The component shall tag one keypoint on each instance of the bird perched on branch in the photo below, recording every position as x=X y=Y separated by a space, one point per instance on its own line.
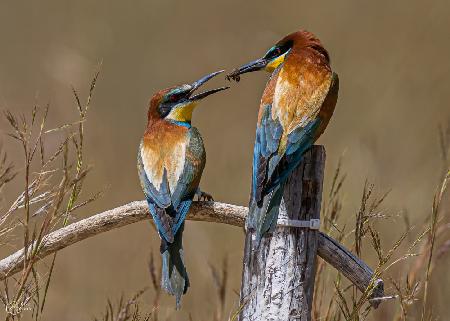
x=296 y=106
x=171 y=159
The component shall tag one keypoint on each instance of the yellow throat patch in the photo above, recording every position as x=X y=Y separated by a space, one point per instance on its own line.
x=182 y=113
x=271 y=66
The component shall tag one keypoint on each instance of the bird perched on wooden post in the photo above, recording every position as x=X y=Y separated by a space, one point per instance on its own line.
x=171 y=159
x=296 y=106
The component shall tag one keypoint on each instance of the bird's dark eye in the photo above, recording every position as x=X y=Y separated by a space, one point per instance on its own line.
x=273 y=52
x=175 y=97
x=278 y=50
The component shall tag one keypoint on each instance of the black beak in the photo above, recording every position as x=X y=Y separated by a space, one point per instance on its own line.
x=197 y=84
x=250 y=67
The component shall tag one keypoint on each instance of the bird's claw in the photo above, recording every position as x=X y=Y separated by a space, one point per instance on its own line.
x=205 y=197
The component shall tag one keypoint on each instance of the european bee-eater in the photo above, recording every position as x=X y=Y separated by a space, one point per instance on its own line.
x=171 y=159
x=296 y=106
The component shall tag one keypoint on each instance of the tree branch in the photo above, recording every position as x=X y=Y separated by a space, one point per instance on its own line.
x=124 y=215
x=330 y=250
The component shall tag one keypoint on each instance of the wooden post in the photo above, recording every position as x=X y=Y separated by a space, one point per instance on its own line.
x=278 y=277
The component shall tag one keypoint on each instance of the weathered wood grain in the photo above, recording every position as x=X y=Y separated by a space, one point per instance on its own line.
x=278 y=276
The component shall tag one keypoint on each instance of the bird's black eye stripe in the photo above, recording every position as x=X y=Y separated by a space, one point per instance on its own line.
x=278 y=50
x=164 y=109
x=177 y=96
x=273 y=52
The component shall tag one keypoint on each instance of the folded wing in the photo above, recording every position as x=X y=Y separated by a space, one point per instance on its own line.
x=168 y=202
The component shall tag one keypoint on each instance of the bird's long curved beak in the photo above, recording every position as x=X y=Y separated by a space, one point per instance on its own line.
x=255 y=65
x=197 y=84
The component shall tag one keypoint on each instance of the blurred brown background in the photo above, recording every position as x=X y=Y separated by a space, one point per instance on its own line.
x=393 y=63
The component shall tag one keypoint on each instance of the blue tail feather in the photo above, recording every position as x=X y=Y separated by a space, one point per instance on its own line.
x=263 y=218
x=182 y=211
x=175 y=279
